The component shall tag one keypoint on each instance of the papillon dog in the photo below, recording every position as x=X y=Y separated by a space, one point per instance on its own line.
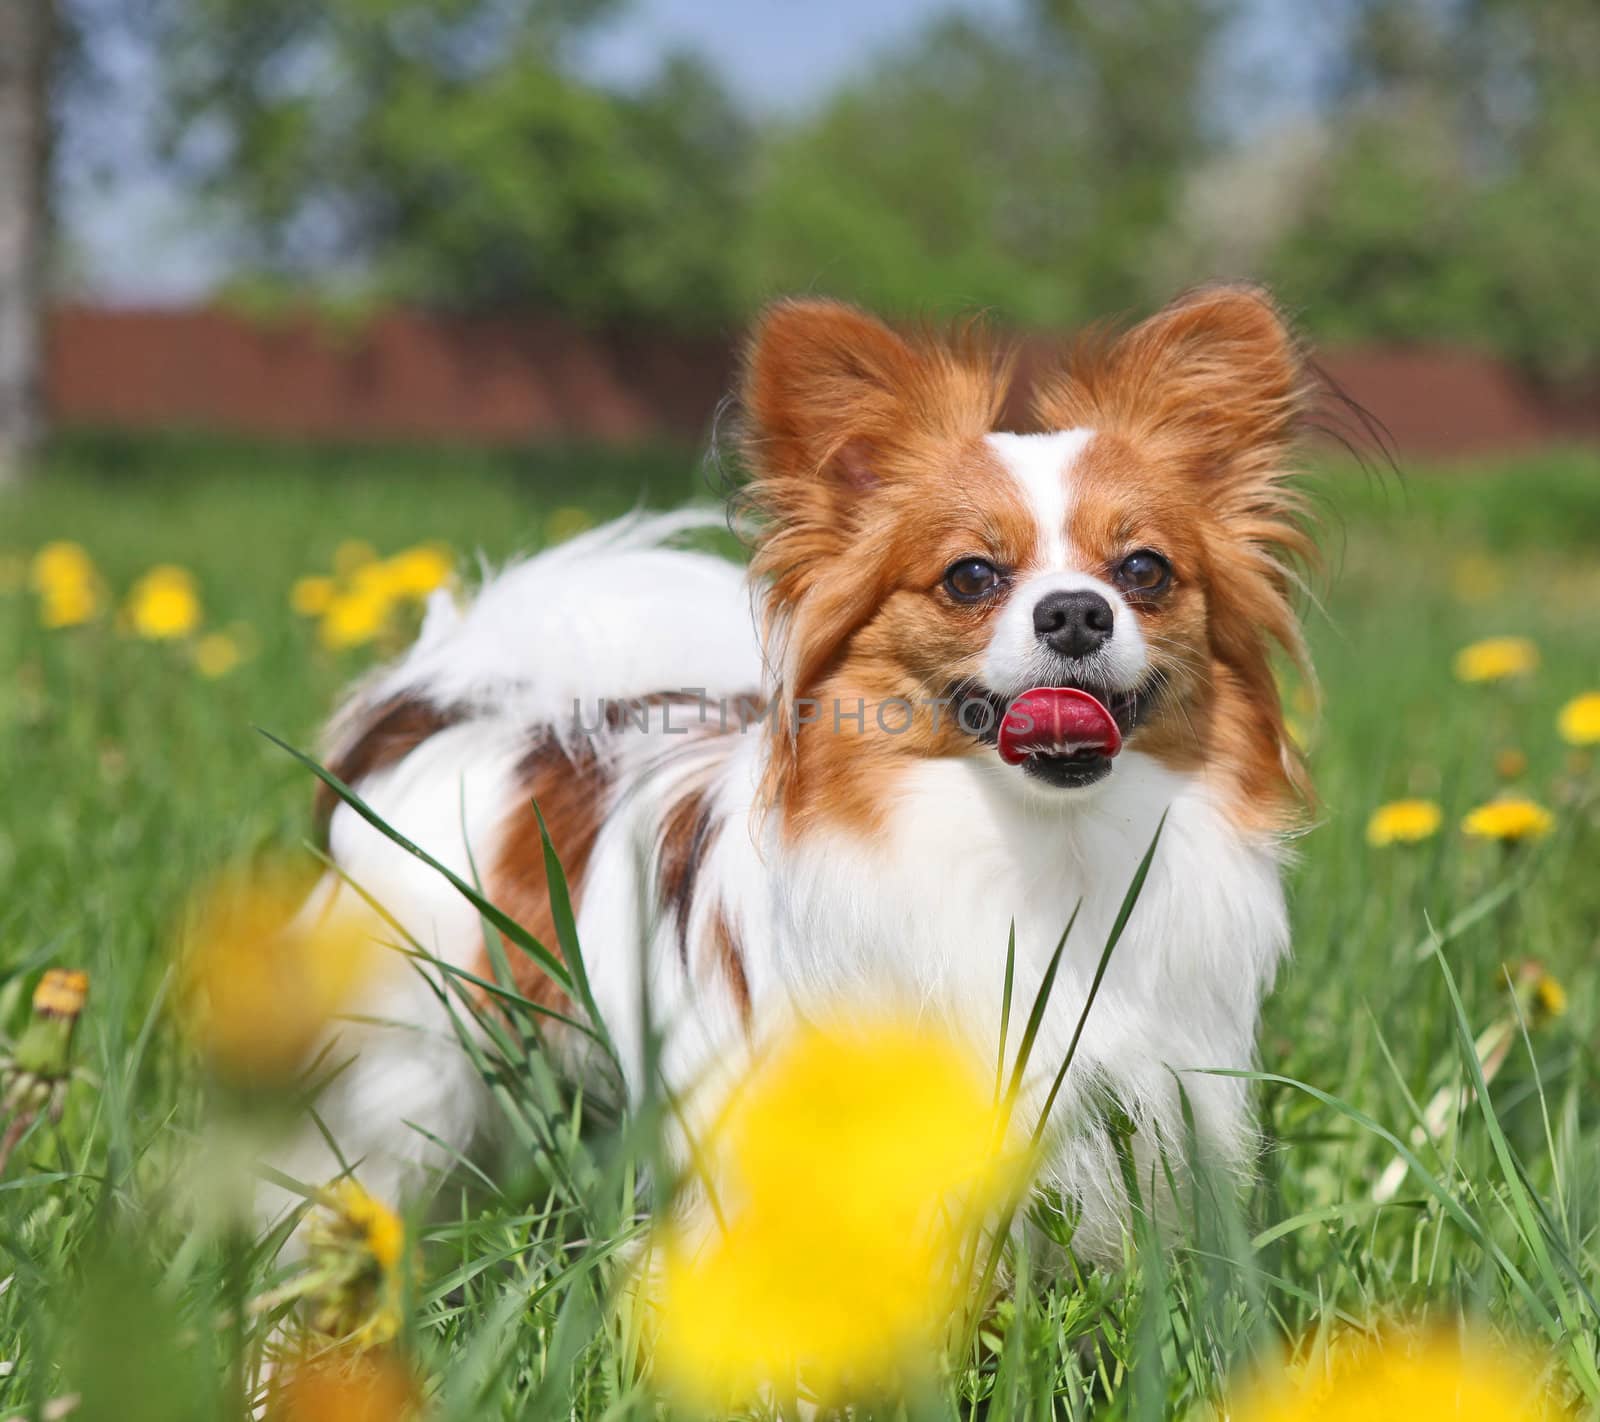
x=964 y=678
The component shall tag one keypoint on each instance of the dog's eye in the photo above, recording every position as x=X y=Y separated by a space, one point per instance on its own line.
x=1145 y=571
x=971 y=580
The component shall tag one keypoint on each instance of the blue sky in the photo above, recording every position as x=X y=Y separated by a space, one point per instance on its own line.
x=134 y=239
x=773 y=54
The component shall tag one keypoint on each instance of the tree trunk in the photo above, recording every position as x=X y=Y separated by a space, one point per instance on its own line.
x=24 y=45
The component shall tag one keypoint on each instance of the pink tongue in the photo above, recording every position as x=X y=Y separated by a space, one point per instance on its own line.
x=1058 y=720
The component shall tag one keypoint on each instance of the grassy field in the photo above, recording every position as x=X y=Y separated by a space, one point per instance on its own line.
x=127 y=778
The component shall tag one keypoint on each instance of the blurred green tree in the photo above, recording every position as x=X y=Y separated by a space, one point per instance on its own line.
x=1067 y=164
x=1460 y=200
x=1028 y=170
x=26 y=42
x=444 y=152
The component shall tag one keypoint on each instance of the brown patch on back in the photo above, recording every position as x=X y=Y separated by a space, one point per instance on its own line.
x=729 y=960
x=687 y=834
x=387 y=734
x=570 y=789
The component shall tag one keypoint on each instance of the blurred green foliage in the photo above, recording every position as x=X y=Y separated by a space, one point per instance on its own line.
x=445 y=152
x=1085 y=158
x=1460 y=195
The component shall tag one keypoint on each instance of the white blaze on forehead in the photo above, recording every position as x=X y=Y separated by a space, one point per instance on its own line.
x=1042 y=464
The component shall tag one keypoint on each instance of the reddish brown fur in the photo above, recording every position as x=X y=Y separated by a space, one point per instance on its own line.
x=386 y=735
x=868 y=447
x=570 y=789
x=687 y=834
x=873 y=477
x=1196 y=411
x=729 y=961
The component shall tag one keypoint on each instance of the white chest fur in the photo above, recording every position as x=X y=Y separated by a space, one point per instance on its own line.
x=924 y=912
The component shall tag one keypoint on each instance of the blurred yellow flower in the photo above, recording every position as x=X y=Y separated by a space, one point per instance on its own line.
x=69 y=588
x=1496 y=659
x=851 y=1171
x=1403 y=822
x=352 y=1283
x=1428 y=1378
x=310 y=596
x=1509 y=820
x=1551 y=996
x=164 y=603
x=69 y=604
x=60 y=562
x=353 y=618
x=566 y=522
x=1579 y=722
x=363 y=1388
x=260 y=977
x=376 y=1226
x=216 y=654
x=416 y=572
x=376 y=580
x=351 y=554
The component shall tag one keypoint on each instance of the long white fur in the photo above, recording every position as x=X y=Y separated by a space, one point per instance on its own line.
x=921 y=911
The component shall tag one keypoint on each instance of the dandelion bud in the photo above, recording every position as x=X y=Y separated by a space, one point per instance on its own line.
x=34 y=1078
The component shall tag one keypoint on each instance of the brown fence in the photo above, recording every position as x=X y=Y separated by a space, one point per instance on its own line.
x=404 y=376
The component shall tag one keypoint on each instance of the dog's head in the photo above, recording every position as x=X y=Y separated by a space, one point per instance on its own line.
x=936 y=588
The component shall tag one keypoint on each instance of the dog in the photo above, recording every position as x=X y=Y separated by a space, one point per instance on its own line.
x=966 y=677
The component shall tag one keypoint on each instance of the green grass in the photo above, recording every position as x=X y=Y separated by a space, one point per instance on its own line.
x=125 y=780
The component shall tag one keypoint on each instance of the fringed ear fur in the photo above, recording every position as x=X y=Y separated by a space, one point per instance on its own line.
x=840 y=411
x=1215 y=387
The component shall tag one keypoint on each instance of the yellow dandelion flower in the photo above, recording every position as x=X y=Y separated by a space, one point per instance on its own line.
x=758 y=1298
x=1425 y=1377
x=352 y=619
x=351 y=554
x=567 y=522
x=1579 y=721
x=260 y=981
x=416 y=572
x=216 y=654
x=1551 y=996
x=352 y=1282
x=1403 y=822
x=1496 y=659
x=69 y=604
x=70 y=591
x=61 y=992
x=374 y=1223
x=363 y=1388
x=311 y=596
x=1509 y=820
x=59 y=563
x=164 y=603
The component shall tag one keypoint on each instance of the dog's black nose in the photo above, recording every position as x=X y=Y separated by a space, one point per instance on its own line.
x=1073 y=623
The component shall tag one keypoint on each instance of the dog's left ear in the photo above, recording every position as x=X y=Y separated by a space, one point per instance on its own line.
x=1215 y=381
